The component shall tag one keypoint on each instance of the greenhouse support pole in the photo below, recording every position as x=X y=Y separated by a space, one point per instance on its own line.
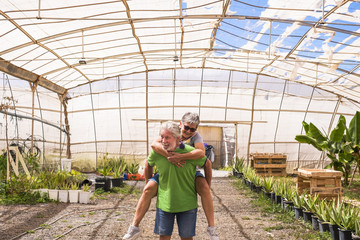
x=33 y=87
x=120 y=119
x=94 y=123
x=252 y=118
x=201 y=87
x=147 y=113
x=173 y=92
x=322 y=159
x=302 y=128
x=61 y=125
x=63 y=110
x=278 y=117
x=227 y=94
x=42 y=157
x=236 y=140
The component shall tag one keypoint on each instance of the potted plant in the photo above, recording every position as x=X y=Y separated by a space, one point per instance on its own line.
x=268 y=183
x=289 y=194
x=104 y=181
x=348 y=222
x=323 y=216
x=74 y=193
x=85 y=194
x=336 y=210
x=238 y=167
x=117 y=180
x=298 y=205
x=310 y=203
x=53 y=187
x=64 y=193
x=133 y=171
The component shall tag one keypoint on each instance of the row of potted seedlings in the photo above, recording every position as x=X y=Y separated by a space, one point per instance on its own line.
x=339 y=218
x=70 y=187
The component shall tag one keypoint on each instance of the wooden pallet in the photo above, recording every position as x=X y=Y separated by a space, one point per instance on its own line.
x=269 y=164
x=325 y=183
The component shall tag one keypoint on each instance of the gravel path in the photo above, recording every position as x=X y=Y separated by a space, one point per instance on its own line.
x=235 y=217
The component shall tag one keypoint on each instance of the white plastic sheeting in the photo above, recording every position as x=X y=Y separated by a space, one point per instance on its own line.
x=269 y=63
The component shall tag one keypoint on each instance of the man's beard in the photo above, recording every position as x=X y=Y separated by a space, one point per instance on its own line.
x=169 y=147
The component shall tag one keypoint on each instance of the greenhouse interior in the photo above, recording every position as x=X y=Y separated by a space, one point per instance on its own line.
x=91 y=80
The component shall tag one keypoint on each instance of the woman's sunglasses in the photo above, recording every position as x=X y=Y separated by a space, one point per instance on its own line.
x=189 y=128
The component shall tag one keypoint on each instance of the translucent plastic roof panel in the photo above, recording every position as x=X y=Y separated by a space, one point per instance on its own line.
x=66 y=44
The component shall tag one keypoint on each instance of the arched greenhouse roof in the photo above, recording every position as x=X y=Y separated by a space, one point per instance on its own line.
x=256 y=69
x=311 y=42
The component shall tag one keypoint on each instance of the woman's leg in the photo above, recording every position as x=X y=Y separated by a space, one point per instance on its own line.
x=150 y=191
x=203 y=189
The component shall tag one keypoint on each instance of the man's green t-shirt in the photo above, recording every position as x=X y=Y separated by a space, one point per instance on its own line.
x=176 y=191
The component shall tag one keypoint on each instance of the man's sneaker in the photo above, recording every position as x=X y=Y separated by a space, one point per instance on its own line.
x=212 y=233
x=132 y=233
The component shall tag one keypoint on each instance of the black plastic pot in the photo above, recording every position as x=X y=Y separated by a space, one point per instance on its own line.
x=267 y=194
x=298 y=212
x=273 y=196
x=116 y=182
x=323 y=226
x=314 y=222
x=85 y=182
x=278 y=199
x=258 y=189
x=102 y=182
x=344 y=234
x=288 y=205
x=334 y=231
x=307 y=216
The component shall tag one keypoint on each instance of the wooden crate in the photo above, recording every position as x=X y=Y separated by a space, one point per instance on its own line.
x=325 y=183
x=269 y=164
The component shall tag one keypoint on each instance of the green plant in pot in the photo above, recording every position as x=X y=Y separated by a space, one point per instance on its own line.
x=268 y=183
x=105 y=171
x=238 y=167
x=310 y=203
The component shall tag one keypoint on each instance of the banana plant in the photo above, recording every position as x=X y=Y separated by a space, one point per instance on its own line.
x=342 y=146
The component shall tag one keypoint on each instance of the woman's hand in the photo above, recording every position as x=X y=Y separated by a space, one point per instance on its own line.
x=176 y=159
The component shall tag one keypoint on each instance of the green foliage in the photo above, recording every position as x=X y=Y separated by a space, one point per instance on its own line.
x=119 y=171
x=105 y=171
x=310 y=202
x=342 y=146
x=2 y=166
x=239 y=165
x=268 y=183
x=298 y=200
x=23 y=198
x=322 y=211
x=133 y=168
x=85 y=187
x=74 y=186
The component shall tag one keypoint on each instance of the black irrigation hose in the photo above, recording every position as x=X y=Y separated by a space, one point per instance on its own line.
x=70 y=213
x=72 y=229
x=88 y=210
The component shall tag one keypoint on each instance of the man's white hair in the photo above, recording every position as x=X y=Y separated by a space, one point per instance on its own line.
x=172 y=127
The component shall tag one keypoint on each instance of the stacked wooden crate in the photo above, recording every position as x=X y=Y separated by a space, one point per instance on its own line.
x=269 y=164
x=325 y=183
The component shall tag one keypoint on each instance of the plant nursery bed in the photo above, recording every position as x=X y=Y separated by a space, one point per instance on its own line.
x=109 y=216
